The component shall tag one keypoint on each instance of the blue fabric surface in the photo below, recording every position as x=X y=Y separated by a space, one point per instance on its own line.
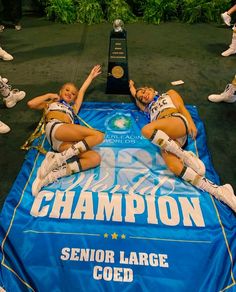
x=128 y=225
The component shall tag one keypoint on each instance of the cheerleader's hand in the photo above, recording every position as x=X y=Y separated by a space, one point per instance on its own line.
x=97 y=70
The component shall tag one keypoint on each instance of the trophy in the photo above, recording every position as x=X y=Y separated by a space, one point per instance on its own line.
x=117 y=76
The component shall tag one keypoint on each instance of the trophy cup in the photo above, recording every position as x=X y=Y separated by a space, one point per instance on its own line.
x=117 y=76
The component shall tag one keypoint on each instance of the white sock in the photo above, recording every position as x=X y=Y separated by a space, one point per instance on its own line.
x=74 y=167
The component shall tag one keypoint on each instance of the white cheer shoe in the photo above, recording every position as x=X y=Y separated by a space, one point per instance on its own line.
x=229 y=95
x=15 y=96
x=5 y=55
x=51 y=177
x=5 y=80
x=51 y=161
x=226 y=18
x=230 y=51
x=226 y=194
x=232 y=48
x=4 y=128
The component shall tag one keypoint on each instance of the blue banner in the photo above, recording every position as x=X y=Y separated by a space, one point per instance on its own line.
x=127 y=225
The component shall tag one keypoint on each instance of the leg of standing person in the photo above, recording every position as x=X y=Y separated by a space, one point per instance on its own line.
x=232 y=48
x=6 y=13
x=2 y=27
x=12 y=12
x=229 y=94
x=11 y=96
x=4 y=128
x=4 y=55
x=16 y=13
x=226 y=16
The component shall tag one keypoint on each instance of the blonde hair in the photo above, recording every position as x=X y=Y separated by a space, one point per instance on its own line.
x=69 y=83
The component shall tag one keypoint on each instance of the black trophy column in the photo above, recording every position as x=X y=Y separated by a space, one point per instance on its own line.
x=117 y=77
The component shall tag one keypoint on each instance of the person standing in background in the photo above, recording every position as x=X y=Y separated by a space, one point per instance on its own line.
x=229 y=94
x=4 y=55
x=11 y=14
x=226 y=16
x=4 y=128
x=10 y=98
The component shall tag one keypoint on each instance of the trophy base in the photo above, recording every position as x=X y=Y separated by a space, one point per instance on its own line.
x=117 y=86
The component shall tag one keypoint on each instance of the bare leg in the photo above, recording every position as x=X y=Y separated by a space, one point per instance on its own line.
x=232 y=10
x=164 y=132
x=74 y=133
x=226 y=16
x=174 y=163
x=77 y=140
x=173 y=127
x=232 y=47
x=89 y=159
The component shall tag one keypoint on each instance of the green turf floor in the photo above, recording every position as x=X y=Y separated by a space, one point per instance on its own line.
x=47 y=54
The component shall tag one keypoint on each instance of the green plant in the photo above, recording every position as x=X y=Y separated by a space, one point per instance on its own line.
x=119 y=9
x=152 y=11
x=61 y=10
x=194 y=11
x=156 y=11
x=89 y=11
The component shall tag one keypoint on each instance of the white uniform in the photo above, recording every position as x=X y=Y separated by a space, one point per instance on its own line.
x=53 y=124
x=161 y=103
x=61 y=107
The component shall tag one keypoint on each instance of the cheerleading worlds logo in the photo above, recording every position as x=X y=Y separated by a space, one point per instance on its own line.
x=119 y=123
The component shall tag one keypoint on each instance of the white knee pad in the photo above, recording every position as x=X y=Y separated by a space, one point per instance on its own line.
x=160 y=139
x=189 y=175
